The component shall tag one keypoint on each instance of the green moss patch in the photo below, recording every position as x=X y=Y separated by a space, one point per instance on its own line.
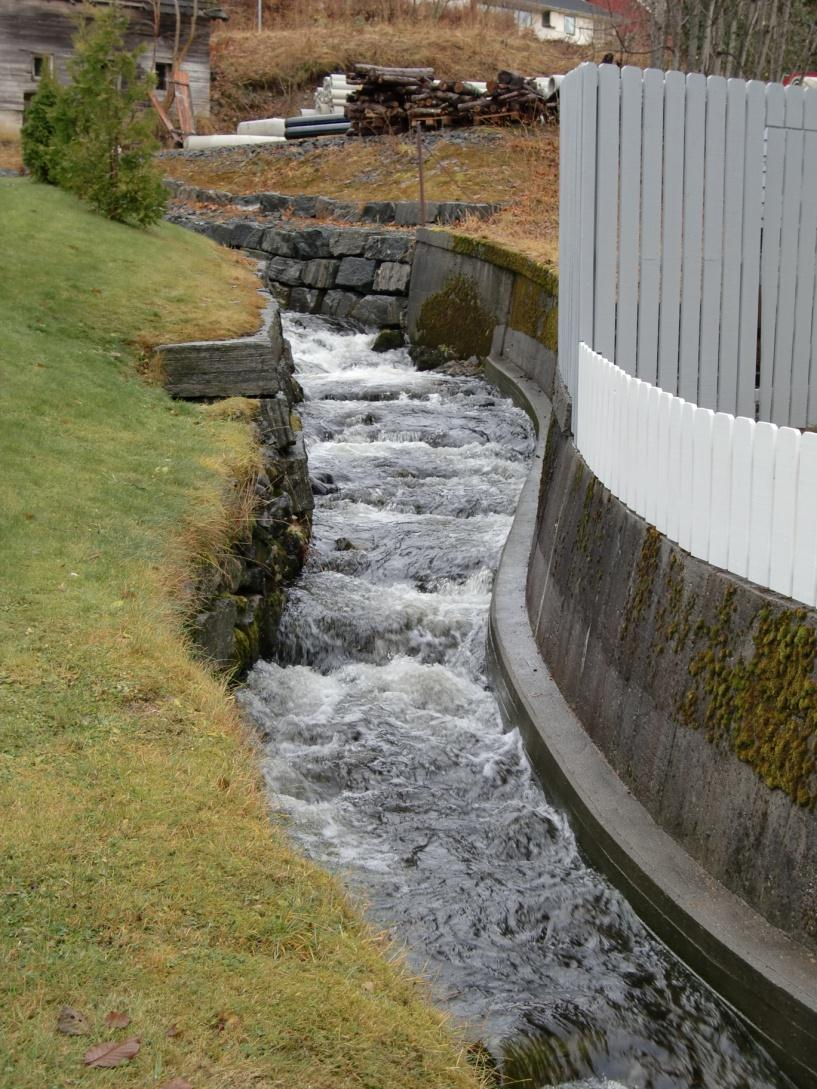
x=492 y=252
x=455 y=321
x=763 y=707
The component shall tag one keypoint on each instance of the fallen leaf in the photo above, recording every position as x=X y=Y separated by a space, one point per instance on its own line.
x=177 y=1083
x=115 y=1019
x=172 y=1032
x=369 y=986
x=104 y=1056
x=72 y=1022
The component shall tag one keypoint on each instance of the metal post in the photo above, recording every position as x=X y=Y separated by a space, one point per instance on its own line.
x=260 y=14
x=421 y=169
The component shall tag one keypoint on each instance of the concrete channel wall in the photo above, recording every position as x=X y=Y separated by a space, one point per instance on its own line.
x=668 y=705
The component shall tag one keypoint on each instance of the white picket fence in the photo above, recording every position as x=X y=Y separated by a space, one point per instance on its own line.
x=688 y=239
x=737 y=493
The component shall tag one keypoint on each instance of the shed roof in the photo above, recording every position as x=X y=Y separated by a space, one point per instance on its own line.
x=570 y=7
x=206 y=8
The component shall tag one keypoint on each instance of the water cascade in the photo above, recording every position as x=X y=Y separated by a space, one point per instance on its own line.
x=384 y=744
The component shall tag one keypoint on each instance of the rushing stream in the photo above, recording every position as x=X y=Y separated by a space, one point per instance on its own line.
x=384 y=743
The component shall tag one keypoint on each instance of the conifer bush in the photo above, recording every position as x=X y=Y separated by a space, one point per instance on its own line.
x=45 y=132
x=94 y=137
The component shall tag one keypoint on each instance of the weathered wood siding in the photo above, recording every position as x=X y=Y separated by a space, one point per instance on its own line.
x=37 y=27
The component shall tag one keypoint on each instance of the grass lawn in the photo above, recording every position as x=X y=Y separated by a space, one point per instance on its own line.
x=140 y=870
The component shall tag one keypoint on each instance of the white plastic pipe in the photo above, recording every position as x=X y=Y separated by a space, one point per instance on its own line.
x=268 y=126
x=199 y=143
x=308 y=113
x=554 y=83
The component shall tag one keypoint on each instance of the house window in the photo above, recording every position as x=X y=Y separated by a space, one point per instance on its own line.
x=546 y=21
x=570 y=26
x=163 y=74
x=41 y=64
x=524 y=18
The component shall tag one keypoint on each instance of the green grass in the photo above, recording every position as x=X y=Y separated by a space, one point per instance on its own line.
x=140 y=869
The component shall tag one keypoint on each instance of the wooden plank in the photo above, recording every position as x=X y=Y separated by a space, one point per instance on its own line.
x=770 y=252
x=714 y=176
x=652 y=136
x=760 y=516
x=721 y=496
x=633 y=465
x=692 y=271
x=642 y=450
x=675 y=470
x=784 y=501
x=734 y=167
x=750 y=245
x=586 y=186
x=743 y=434
x=629 y=220
x=672 y=230
x=616 y=468
x=701 y=481
x=687 y=477
x=664 y=487
x=607 y=172
x=810 y=125
x=804 y=564
x=566 y=228
x=789 y=235
x=806 y=295
x=608 y=408
x=654 y=441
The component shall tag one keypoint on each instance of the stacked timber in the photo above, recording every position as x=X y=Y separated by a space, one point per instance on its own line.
x=394 y=100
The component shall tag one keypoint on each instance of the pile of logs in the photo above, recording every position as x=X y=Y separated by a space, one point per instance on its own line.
x=394 y=100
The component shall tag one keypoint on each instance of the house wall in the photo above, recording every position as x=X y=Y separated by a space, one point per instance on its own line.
x=585 y=30
x=36 y=27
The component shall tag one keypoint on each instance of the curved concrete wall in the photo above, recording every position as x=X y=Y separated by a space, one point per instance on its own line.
x=679 y=729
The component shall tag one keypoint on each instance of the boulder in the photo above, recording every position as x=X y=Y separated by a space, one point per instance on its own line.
x=305 y=207
x=312 y=242
x=392 y=276
x=339 y=304
x=357 y=272
x=284 y=270
x=378 y=211
x=306 y=300
x=277 y=242
x=273 y=203
x=394 y=246
x=320 y=272
x=254 y=366
x=348 y=243
x=379 y=310
x=387 y=340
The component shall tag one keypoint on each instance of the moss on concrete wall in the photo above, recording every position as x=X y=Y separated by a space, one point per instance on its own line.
x=764 y=707
x=455 y=321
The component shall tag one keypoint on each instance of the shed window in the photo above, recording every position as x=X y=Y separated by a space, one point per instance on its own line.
x=163 y=74
x=41 y=65
x=546 y=21
x=570 y=26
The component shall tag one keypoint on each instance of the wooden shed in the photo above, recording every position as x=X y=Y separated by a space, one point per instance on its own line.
x=36 y=36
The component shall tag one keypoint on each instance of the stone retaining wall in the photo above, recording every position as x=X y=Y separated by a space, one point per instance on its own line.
x=401 y=213
x=243 y=593
x=347 y=273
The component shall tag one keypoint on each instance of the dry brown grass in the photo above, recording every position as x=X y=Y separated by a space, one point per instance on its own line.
x=11 y=157
x=530 y=223
x=521 y=168
x=256 y=73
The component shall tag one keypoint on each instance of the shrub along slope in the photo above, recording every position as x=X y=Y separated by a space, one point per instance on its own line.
x=140 y=870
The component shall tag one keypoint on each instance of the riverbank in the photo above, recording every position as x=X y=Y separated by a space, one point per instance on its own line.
x=141 y=870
